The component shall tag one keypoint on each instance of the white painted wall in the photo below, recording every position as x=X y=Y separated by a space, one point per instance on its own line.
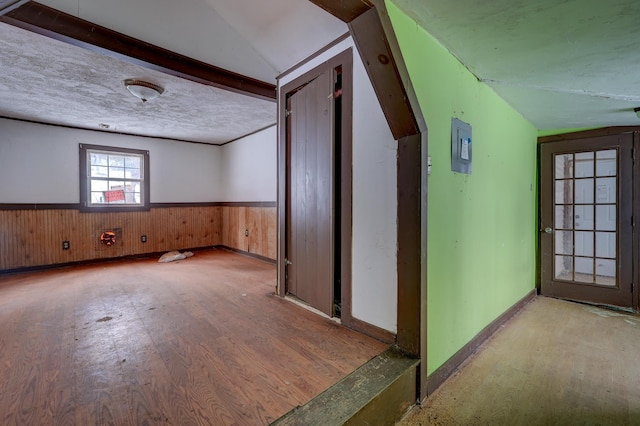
x=374 y=245
x=249 y=168
x=40 y=164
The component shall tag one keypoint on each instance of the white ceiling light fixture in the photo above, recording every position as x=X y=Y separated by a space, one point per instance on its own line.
x=143 y=90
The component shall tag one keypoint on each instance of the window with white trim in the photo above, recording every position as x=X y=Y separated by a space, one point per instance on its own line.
x=113 y=178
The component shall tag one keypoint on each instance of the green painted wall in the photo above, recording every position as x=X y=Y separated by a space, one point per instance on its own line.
x=481 y=244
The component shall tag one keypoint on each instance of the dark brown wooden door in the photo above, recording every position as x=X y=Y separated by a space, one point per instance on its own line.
x=586 y=219
x=310 y=209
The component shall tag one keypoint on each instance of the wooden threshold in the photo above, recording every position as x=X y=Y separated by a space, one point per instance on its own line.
x=380 y=392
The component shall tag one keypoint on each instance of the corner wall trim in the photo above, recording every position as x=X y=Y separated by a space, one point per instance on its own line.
x=438 y=377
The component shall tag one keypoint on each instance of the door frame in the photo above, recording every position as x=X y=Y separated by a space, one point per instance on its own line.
x=345 y=60
x=605 y=131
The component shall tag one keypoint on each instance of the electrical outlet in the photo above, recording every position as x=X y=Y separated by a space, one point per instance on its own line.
x=143 y=238
x=66 y=245
x=246 y=232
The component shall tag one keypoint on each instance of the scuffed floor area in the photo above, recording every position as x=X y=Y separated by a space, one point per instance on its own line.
x=556 y=363
x=201 y=341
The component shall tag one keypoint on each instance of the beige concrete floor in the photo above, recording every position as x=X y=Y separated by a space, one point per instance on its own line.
x=556 y=363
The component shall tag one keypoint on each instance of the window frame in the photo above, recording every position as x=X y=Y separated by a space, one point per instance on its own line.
x=85 y=178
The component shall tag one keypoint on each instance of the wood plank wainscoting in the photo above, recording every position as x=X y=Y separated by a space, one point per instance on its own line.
x=259 y=219
x=32 y=235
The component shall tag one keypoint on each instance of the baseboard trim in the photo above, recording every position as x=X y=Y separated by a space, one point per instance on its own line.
x=40 y=268
x=369 y=329
x=246 y=253
x=438 y=377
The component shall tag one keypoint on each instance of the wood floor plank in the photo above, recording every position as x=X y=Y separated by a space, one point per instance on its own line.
x=201 y=341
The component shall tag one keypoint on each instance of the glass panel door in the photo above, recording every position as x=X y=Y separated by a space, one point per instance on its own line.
x=586 y=187
x=586 y=216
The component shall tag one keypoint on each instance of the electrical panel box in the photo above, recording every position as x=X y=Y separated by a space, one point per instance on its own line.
x=461 y=154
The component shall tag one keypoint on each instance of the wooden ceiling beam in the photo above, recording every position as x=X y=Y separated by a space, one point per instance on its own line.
x=52 y=23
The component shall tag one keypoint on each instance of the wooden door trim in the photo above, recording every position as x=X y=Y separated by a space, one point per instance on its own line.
x=604 y=131
x=636 y=215
x=344 y=59
x=378 y=47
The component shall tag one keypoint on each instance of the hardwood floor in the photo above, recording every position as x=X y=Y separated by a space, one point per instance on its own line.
x=556 y=363
x=197 y=342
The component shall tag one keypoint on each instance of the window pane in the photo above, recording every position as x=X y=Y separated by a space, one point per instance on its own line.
x=564 y=217
x=584 y=269
x=564 y=166
x=564 y=268
x=130 y=197
x=606 y=244
x=564 y=242
x=132 y=162
x=97 y=198
x=116 y=160
x=98 y=171
x=584 y=244
x=584 y=191
x=583 y=217
x=584 y=164
x=606 y=190
x=99 y=185
x=564 y=192
x=132 y=173
x=606 y=218
x=99 y=159
x=116 y=172
x=606 y=272
x=606 y=163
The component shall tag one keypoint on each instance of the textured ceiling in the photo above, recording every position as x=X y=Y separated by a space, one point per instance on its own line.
x=53 y=82
x=562 y=64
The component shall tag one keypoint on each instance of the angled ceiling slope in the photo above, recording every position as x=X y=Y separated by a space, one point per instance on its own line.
x=566 y=64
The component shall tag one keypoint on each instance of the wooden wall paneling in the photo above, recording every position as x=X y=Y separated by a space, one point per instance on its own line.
x=224 y=231
x=243 y=241
x=253 y=223
x=34 y=237
x=270 y=218
x=261 y=223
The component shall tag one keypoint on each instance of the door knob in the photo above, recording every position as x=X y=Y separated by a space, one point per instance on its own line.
x=548 y=230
